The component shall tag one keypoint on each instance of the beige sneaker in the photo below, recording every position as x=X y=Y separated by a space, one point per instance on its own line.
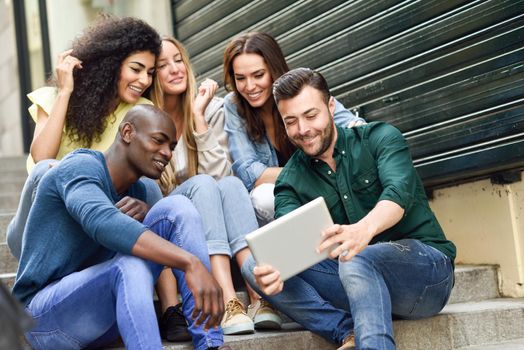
x=264 y=316
x=235 y=320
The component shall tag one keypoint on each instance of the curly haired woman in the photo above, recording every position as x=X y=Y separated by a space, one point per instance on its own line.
x=108 y=69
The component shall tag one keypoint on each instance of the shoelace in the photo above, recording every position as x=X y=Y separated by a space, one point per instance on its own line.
x=233 y=307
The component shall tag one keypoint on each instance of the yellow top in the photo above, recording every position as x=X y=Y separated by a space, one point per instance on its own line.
x=45 y=97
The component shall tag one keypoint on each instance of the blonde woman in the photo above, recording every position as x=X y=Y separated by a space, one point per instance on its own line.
x=201 y=170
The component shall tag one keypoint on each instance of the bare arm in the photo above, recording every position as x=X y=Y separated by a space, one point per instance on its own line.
x=354 y=238
x=48 y=130
x=206 y=291
x=268 y=176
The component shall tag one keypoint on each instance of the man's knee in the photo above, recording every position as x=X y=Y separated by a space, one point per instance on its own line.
x=133 y=270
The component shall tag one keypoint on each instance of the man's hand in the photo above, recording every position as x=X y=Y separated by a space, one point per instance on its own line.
x=209 y=303
x=268 y=279
x=351 y=240
x=133 y=207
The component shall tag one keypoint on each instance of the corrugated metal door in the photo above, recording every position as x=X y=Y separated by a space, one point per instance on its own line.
x=448 y=74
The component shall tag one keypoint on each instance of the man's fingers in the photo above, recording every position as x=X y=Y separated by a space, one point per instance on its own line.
x=198 y=305
x=217 y=310
x=330 y=241
x=206 y=309
x=261 y=270
x=330 y=231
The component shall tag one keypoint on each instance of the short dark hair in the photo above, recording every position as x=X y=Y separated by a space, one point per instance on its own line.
x=291 y=83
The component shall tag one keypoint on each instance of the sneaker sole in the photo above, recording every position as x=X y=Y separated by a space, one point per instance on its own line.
x=239 y=329
x=267 y=322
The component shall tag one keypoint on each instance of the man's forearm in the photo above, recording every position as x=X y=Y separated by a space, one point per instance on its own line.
x=152 y=247
x=383 y=216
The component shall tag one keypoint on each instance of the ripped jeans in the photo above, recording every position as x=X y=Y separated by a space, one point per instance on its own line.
x=405 y=279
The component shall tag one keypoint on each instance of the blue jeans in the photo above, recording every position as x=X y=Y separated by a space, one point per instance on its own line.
x=91 y=307
x=16 y=227
x=406 y=278
x=226 y=210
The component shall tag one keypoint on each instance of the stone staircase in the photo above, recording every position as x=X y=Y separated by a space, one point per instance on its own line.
x=477 y=317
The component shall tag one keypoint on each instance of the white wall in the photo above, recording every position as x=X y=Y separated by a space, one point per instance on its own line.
x=10 y=126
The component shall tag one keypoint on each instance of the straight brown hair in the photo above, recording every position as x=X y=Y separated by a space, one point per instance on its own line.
x=264 y=45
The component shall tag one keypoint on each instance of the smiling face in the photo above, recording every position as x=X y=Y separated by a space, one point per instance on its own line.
x=171 y=70
x=151 y=137
x=309 y=122
x=253 y=79
x=136 y=75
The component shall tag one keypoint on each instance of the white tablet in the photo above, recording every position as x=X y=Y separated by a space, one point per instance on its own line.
x=288 y=243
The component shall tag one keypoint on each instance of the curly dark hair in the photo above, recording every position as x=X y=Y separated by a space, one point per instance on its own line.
x=102 y=48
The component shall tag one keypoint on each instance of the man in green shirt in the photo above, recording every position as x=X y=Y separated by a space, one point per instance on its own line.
x=392 y=257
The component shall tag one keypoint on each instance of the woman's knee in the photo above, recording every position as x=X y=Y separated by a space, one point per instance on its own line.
x=263 y=201
x=232 y=184
x=203 y=182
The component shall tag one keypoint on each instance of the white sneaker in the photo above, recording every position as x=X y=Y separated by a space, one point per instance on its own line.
x=235 y=320
x=263 y=315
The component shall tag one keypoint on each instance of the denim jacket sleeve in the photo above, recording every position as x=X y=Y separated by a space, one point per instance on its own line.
x=247 y=164
x=344 y=117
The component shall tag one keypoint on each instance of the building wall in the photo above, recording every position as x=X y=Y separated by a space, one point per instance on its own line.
x=10 y=127
x=486 y=223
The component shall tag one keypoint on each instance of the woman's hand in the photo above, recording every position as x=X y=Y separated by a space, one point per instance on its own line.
x=64 y=71
x=205 y=94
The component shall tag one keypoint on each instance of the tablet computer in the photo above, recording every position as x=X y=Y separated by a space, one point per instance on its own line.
x=289 y=243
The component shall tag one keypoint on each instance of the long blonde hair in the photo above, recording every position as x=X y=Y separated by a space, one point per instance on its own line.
x=185 y=109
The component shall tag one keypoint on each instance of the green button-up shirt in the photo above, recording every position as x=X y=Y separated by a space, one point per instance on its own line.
x=373 y=164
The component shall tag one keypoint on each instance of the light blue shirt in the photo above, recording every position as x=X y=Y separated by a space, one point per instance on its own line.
x=251 y=159
x=73 y=223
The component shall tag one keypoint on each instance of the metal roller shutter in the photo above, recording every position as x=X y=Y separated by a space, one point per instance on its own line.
x=449 y=74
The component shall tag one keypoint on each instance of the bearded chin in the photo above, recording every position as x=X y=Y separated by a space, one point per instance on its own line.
x=327 y=138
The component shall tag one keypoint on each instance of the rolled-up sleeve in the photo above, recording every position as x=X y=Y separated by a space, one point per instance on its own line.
x=395 y=167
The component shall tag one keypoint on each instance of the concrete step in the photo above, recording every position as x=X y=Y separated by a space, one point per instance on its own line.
x=8 y=279
x=509 y=345
x=9 y=201
x=8 y=262
x=13 y=173
x=4 y=221
x=12 y=184
x=474 y=283
x=496 y=322
x=464 y=324
x=292 y=336
x=13 y=163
